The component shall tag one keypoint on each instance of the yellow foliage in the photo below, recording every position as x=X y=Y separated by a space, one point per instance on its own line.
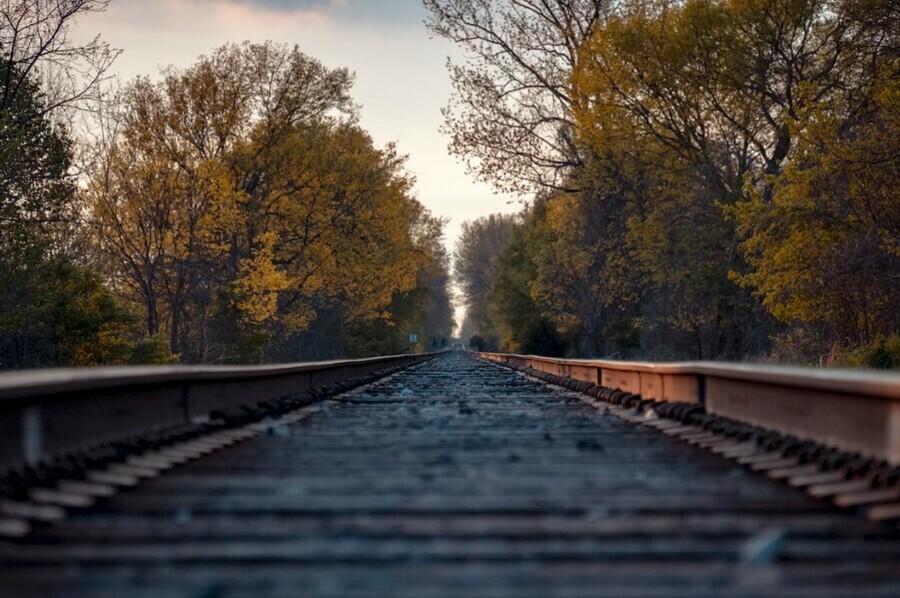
x=825 y=249
x=236 y=190
x=260 y=281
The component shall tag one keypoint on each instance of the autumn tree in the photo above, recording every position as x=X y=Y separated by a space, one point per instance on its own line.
x=692 y=124
x=520 y=321
x=167 y=199
x=518 y=114
x=333 y=233
x=425 y=310
x=510 y=116
x=722 y=82
x=697 y=106
x=475 y=265
x=825 y=250
x=244 y=209
x=583 y=280
x=432 y=293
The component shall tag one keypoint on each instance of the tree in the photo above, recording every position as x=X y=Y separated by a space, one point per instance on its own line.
x=53 y=311
x=35 y=43
x=476 y=343
x=519 y=320
x=425 y=310
x=675 y=144
x=511 y=113
x=36 y=195
x=476 y=263
x=582 y=279
x=690 y=108
x=244 y=210
x=435 y=308
x=825 y=251
x=63 y=315
x=335 y=227
x=191 y=154
x=722 y=83
x=36 y=188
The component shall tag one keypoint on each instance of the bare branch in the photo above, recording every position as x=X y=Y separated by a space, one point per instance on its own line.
x=510 y=116
x=34 y=39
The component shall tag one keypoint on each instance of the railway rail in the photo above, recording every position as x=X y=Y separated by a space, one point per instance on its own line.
x=834 y=433
x=448 y=474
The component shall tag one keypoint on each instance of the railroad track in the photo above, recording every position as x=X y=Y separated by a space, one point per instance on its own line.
x=454 y=476
x=835 y=434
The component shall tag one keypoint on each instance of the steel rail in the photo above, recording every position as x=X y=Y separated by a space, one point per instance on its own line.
x=47 y=413
x=854 y=410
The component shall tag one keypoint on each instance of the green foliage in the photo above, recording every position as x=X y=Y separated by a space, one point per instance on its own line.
x=35 y=154
x=152 y=350
x=519 y=325
x=91 y=327
x=540 y=337
x=52 y=312
x=476 y=265
x=882 y=354
x=234 y=339
x=72 y=319
x=624 y=333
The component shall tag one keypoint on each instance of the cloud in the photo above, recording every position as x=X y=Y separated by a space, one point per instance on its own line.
x=293 y=5
x=375 y=11
x=202 y=15
x=247 y=12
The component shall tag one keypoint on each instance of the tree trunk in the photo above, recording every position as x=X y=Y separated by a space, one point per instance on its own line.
x=152 y=315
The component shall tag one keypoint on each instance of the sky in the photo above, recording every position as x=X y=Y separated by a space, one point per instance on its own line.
x=401 y=76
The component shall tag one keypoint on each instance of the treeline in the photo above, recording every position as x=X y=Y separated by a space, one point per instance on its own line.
x=719 y=181
x=233 y=211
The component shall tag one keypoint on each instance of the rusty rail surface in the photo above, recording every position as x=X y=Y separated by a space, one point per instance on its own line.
x=854 y=410
x=45 y=413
